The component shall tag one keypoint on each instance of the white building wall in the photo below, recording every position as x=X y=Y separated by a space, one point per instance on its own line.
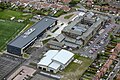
x=42 y=66
x=54 y=70
x=69 y=61
x=57 y=67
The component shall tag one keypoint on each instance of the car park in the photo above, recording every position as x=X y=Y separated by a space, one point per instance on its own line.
x=102 y=42
x=91 y=51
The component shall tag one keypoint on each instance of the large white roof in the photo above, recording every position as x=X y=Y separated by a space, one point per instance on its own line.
x=54 y=58
x=81 y=13
x=47 y=59
x=63 y=56
x=54 y=65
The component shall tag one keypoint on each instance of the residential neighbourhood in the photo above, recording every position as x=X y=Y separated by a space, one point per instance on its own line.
x=59 y=40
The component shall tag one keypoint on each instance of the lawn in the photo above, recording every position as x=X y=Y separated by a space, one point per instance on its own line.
x=75 y=70
x=43 y=12
x=68 y=16
x=118 y=22
x=8 y=30
x=59 y=13
x=7 y=14
x=116 y=40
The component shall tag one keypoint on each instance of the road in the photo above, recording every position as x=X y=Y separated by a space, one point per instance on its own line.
x=114 y=72
x=35 y=55
x=93 y=56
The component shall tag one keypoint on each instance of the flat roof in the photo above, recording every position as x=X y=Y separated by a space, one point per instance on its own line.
x=63 y=56
x=47 y=58
x=54 y=65
x=92 y=28
x=54 y=58
x=115 y=4
x=30 y=34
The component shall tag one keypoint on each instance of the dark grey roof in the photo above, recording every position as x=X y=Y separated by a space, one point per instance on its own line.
x=115 y=4
x=60 y=37
x=55 y=43
x=32 y=32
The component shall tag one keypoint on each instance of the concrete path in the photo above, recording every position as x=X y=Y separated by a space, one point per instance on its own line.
x=60 y=27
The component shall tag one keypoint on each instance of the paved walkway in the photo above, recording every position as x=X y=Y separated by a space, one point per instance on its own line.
x=61 y=18
x=60 y=27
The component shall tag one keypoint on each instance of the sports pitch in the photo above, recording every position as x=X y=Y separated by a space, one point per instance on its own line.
x=7 y=14
x=8 y=30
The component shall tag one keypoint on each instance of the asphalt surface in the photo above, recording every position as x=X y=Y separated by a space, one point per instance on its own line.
x=114 y=72
x=86 y=52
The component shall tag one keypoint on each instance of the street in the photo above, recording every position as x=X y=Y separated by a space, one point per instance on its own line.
x=114 y=72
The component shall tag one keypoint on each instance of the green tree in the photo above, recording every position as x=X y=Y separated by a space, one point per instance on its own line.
x=5 y=5
x=74 y=2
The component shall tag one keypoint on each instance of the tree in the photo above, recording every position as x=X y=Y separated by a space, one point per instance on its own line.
x=74 y=2
x=0 y=9
x=5 y=5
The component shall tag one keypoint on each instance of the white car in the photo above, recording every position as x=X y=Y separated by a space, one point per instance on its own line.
x=102 y=42
x=91 y=51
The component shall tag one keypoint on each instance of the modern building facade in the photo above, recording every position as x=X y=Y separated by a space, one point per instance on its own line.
x=23 y=41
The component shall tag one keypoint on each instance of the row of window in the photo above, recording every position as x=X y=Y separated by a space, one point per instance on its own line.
x=45 y=69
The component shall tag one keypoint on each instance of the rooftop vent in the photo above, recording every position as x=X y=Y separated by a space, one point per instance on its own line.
x=28 y=32
x=46 y=20
x=73 y=28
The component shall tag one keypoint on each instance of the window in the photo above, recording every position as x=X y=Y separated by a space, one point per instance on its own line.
x=40 y=67
x=51 y=71
x=44 y=69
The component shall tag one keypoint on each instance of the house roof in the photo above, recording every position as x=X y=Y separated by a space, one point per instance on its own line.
x=66 y=1
x=45 y=5
x=118 y=46
x=108 y=62
x=115 y=4
x=30 y=34
x=65 y=8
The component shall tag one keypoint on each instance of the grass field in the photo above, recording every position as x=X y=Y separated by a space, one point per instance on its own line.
x=9 y=30
x=7 y=14
x=59 y=13
x=68 y=16
x=75 y=70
